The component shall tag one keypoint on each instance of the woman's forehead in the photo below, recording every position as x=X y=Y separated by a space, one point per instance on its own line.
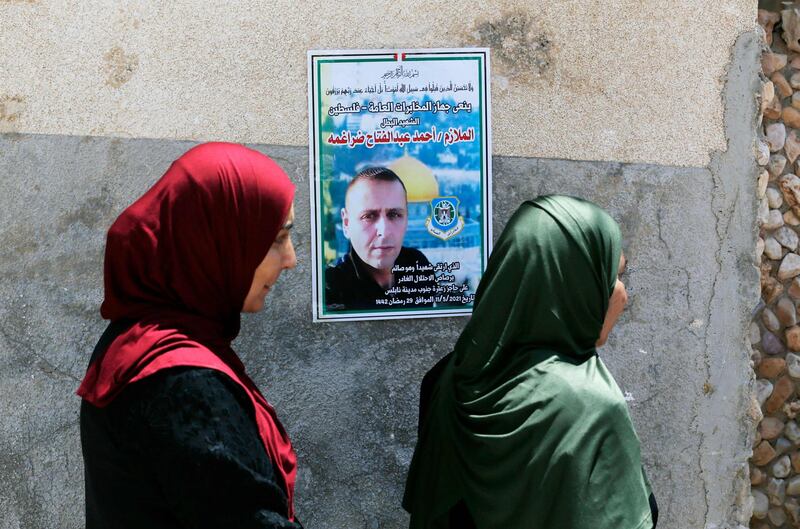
x=289 y=218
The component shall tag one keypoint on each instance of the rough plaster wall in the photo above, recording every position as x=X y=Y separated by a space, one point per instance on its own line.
x=626 y=81
x=348 y=392
x=729 y=376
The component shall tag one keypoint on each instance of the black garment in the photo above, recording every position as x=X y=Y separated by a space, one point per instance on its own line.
x=179 y=449
x=459 y=516
x=348 y=285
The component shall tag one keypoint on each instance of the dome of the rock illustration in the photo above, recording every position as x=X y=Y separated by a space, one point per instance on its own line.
x=420 y=182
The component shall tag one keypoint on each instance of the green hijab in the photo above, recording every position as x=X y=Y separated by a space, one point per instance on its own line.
x=525 y=424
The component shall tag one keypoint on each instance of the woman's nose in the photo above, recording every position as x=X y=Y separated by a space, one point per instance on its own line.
x=290 y=260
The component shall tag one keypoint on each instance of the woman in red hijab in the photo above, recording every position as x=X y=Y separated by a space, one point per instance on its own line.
x=174 y=432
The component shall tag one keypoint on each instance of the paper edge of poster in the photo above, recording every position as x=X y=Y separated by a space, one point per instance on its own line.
x=317 y=316
x=312 y=162
x=489 y=165
x=393 y=51
x=395 y=316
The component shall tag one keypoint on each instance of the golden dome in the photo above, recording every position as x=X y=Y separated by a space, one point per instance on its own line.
x=420 y=182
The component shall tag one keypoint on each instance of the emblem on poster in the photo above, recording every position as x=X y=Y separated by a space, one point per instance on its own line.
x=444 y=222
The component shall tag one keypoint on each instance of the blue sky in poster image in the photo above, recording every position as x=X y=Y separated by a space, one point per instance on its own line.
x=456 y=166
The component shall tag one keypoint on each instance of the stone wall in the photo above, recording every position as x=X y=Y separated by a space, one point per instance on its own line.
x=775 y=333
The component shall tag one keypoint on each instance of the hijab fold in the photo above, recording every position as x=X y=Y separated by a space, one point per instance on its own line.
x=179 y=263
x=523 y=422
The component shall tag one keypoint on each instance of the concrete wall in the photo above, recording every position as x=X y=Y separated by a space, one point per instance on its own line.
x=347 y=392
x=584 y=79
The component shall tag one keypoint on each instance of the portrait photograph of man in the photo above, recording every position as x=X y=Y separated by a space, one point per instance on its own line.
x=400 y=183
x=375 y=220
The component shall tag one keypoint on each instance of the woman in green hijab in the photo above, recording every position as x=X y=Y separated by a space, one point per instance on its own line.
x=522 y=426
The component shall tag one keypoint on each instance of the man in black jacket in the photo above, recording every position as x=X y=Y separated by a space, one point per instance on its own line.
x=378 y=272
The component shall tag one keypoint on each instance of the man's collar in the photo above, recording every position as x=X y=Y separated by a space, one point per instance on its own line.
x=358 y=265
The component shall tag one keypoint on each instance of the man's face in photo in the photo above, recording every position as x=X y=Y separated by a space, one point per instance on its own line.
x=375 y=219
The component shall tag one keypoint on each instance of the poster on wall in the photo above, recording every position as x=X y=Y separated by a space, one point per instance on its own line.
x=400 y=181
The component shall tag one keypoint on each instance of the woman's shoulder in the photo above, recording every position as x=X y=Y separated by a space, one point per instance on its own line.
x=185 y=389
x=587 y=383
x=184 y=409
x=185 y=377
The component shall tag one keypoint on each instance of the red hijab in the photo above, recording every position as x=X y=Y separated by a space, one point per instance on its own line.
x=179 y=263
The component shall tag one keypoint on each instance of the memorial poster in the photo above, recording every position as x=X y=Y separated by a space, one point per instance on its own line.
x=400 y=181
